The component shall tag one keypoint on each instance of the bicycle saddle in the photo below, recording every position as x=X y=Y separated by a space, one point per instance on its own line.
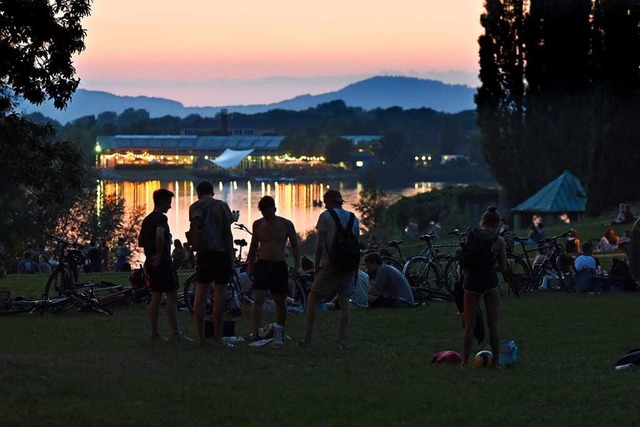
x=240 y=242
x=428 y=237
x=385 y=252
x=395 y=243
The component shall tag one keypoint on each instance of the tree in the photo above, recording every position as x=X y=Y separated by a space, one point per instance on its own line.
x=338 y=149
x=393 y=149
x=38 y=39
x=372 y=203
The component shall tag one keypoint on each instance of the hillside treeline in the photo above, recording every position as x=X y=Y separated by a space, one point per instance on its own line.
x=561 y=90
x=407 y=133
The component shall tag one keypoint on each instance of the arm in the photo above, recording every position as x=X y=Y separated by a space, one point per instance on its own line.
x=295 y=246
x=227 y=235
x=253 y=249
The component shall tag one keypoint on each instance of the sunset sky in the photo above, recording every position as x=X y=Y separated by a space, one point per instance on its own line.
x=203 y=52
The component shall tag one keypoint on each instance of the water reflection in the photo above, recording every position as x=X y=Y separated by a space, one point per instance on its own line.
x=295 y=201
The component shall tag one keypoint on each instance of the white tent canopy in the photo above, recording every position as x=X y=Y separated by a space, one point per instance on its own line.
x=231 y=158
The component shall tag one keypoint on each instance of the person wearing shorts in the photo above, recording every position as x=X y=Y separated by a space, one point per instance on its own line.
x=155 y=238
x=267 y=265
x=330 y=279
x=484 y=285
x=214 y=265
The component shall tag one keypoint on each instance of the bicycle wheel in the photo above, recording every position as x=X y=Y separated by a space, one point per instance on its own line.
x=518 y=275
x=16 y=307
x=189 y=292
x=57 y=283
x=452 y=272
x=421 y=273
x=296 y=297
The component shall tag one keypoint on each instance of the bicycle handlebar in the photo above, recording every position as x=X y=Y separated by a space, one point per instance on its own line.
x=63 y=241
x=242 y=227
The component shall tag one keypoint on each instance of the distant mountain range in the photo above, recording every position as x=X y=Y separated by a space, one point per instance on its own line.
x=375 y=92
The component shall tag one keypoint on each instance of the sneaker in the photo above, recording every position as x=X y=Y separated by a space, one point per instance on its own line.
x=278 y=339
x=180 y=337
x=157 y=337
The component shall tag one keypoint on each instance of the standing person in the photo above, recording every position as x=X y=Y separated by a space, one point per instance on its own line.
x=104 y=254
x=267 y=265
x=329 y=278
x=481 y=282
x=155 y=238
x=215 y=263
x=122 y=255
x=95 y=257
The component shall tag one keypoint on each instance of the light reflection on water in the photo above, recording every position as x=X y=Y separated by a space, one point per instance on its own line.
x=294 y=201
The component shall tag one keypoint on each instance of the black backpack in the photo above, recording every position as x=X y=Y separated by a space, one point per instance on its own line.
x=344 y=252
x=476 y=257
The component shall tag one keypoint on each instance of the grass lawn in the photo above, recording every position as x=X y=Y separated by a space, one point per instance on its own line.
x=90 y=369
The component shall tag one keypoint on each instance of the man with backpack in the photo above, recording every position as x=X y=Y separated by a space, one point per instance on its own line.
x=266 y=264
x=337 y=257
x=210 y=236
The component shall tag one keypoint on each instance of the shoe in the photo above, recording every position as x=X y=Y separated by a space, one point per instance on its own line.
x=157 y=337
x=278 y=339
x=223 y=344
x=180 y=337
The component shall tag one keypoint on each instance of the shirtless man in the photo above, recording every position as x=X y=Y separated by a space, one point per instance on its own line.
x=269 y=268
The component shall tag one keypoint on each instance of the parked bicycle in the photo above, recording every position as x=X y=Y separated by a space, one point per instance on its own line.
x=65 y=275
x=527 y=275
x=427 y=269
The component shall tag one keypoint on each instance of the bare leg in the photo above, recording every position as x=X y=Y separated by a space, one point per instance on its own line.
x=281 y=308
x=172 y=311
x=343 y=323
x=199 y=307
x=492 y=304
x=256 y=311
x=310 y=316
x=470 y=313
x=154 y=309
x=218 y=311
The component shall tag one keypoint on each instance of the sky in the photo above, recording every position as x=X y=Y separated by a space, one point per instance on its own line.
x=234 y=52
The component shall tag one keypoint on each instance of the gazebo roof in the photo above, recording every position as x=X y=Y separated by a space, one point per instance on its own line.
x=563 y=194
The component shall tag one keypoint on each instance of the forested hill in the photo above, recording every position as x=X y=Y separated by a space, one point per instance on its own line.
x=376 y=92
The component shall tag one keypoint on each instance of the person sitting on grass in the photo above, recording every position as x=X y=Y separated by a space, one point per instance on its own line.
x=585 y=265
x=608 y=242
x=625 y=215
x=360 y=297
x=27 y=265
x=389 y=287
x=572 y=244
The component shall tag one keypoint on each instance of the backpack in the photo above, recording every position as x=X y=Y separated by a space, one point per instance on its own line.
x=203 y=232
x=344 y=252
x=476 y=256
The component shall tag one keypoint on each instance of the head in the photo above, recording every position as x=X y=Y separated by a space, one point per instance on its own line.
x=621 y=207
x=573 y=233
x=205 y=188
x=587 y=248
x=42 y=259
x=372 y=262
x=490 y=218
x=162 y=200
x=121 y=240
x=267 y=207
x=177 y=243
x=332 y=198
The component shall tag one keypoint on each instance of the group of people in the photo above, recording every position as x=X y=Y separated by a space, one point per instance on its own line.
x=380 y=285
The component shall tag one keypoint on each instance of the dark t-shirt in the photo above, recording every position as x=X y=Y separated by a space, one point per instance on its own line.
x=148 y=234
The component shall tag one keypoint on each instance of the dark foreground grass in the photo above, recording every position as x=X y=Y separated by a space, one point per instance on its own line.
x=89 y=369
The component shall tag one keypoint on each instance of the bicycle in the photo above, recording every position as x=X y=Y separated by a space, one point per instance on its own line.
x=65 y=275
x=526 y=276
x=425 y=270
x=239 y=294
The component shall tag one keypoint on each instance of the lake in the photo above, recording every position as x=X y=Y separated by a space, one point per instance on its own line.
x=294 y=200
